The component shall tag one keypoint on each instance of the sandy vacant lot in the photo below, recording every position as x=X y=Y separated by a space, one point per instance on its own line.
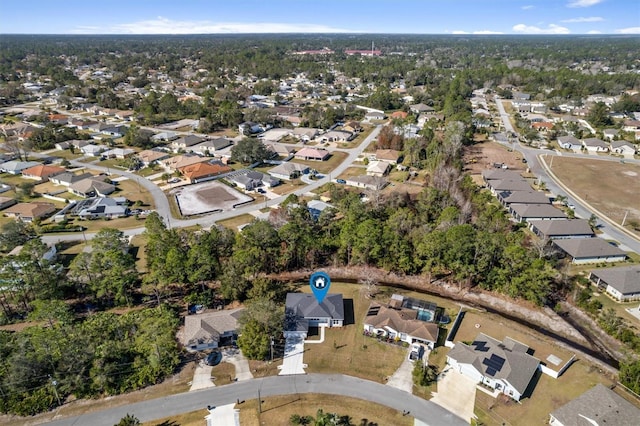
x=208 y=197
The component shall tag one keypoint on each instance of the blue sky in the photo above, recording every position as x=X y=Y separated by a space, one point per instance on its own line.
x=321 y=16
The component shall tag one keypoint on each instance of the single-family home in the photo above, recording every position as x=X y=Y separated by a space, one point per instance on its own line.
x=201 y=172
x=560 y=229
x=92 y=150
x=6 y=202
x=569 y=142
x=281 y=149
x=172 y=164
x=353 y=127
x=507 y=198
x=378 y=168
x=102 y=208
x=210 y=146
x=597 y=406
x=500 y=174
x=527 y=212
x=401 y=324
x=305 y=134
x=336 y=136
x=28 y=212
x=389 y=155
x=595 y=145
x=373 y=183
x=420 y=108
x=68 y=178
x=210 y=330
x=151 y=156
x=590 y=250
x=315 y=154
x=185 y=142
x=252 y=179
x=164 y=137
x=42 y=172
x=316 y=207
x=288 y=171
x=623 y=283
x=623 y=148
x=120 y=153
x=375 y=115
x=500 y=185
x=250 y=128
x=610 y=134
x=92 y=187
x=302 y=311
x=503 y=366
x=15 y=167
x=115 y=131
x=631 y=125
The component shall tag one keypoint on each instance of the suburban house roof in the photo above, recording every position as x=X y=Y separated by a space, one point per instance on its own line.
x=401 y=320
x=42 y=171
x=420 y=108
x=202 y=170
x=313 y=153
x=281 y=149
x=187 y=140
x=207 y=327
x=518 y=184
x=595 y=142
x=30 y=210
x=523 y=197
x=390 y=155
x=507 y=360
x=536 y=210
x=89 y=185
x=597 y=406
x=288 y=169
x=378 y=168
x=103 y=206
x=623 y=144
x=562 y=228
x=370 y=182
x=68 y=178
x=179 y=161
x=625 y=279
x=6 y=202
x=588 y=248
x=15 y=166
x=568 y=140
x=500 y=174
x=150 y=155
x=300 y=307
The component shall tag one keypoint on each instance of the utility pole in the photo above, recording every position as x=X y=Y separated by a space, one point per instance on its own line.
x=259 y=403
x=271 y=337
x=54 y=383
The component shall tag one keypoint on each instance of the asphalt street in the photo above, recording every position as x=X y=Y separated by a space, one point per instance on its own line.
x=334 y=384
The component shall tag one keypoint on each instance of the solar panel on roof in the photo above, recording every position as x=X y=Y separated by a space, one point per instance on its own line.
x=480 y=345
x=491 y=371
x=493 y=363
x=373 y=311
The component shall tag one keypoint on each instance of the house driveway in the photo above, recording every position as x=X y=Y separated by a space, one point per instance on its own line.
x=234 y=356
x=293 y=363
x=201 y=377
x=456 y=393
x=224 y=415
x=402 y=379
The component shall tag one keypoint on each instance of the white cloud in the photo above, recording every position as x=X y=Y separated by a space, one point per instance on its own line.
x=631 y=30
x=527 y=7
x=594 y=32
x=583 y=3
x=459 y=32
x=162 y=25
x=582 y=19
x=530 y=29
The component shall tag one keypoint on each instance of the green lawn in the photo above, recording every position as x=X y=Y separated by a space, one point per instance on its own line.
x=236 y=221
x=325 y=167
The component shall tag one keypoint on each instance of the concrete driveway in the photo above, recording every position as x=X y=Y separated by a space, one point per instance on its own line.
x=201 y=377
x=456 y=393
x=234 y=356
x=292 y=362
x=402 y=378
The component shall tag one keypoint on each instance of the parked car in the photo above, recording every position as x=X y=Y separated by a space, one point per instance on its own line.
x=213 y=358
x=342 y=181
x=416 y=352
x=174 y=180
x=262 y=191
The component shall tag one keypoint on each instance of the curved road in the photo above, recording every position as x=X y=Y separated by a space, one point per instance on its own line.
x=334 y=384
x=540 y=162
x=162 y=203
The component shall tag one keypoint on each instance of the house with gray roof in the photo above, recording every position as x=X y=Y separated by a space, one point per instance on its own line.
x=623 y=283
x=623 y=148
x=522 y=197
x=68 y=178
x=500 y=174
x=527 y=212
x=102 y=208
x=302 y=311
x=374 y=183
x=506 y=366
x=288 y=171
x=252 y=179
x=597 y=406
x=209 y=330
x=559 y=229
x=210 y=146
x=185 y=142
x=590 y=250
x=16 y=167
x=92 y=187
x=569 y=142
x=595 y=145
x=402 y=323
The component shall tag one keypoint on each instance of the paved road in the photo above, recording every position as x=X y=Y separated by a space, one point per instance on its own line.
x=335 y=384
x=540 y=163
x=162 y=204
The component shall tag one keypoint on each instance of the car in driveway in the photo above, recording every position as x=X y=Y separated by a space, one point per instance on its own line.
x=416 y=352
x=213 y=358
x=342 y=181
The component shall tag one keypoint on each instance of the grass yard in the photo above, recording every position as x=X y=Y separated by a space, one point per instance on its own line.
x=620 y=308
x=236 y=221
x=288 y=186
x=325 y=167
x=616 y=192
x=223 y=373
x=548 y=395
x=346 y=350
x=353 y=171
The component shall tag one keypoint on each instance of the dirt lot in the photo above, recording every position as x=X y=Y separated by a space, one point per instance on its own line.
x=616 y=191
x=482 y=156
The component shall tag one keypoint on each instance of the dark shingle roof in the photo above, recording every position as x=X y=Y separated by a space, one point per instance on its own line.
x=579 y=248
x=562 y=228
x=625 y=279
x=300 y=306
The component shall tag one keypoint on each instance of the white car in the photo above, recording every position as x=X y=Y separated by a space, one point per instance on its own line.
x=416 y=352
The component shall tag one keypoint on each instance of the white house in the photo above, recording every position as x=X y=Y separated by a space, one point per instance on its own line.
x=503 y=366
x=623 y=284
x=399 y=323
x=302 y=311
x=590 y=250
x=595 y=145
x=624 y=148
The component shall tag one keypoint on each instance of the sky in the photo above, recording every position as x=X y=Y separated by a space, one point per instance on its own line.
x=320 y=16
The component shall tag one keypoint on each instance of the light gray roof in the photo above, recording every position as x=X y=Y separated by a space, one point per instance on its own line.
x=207 y=327
x=595 y=142
x=527 y=197
x=625 y=279
x=580 y=248
x=537 y=210
x=300 y=306
x=500 y=174
x=562 y=228
x=568 y=139
x=14 y=166
x=518 y=367
x=599 y=405
x=288 y=168
x=519 y=184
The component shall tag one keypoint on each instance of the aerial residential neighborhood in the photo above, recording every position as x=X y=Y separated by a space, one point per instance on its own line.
x=166 y=200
